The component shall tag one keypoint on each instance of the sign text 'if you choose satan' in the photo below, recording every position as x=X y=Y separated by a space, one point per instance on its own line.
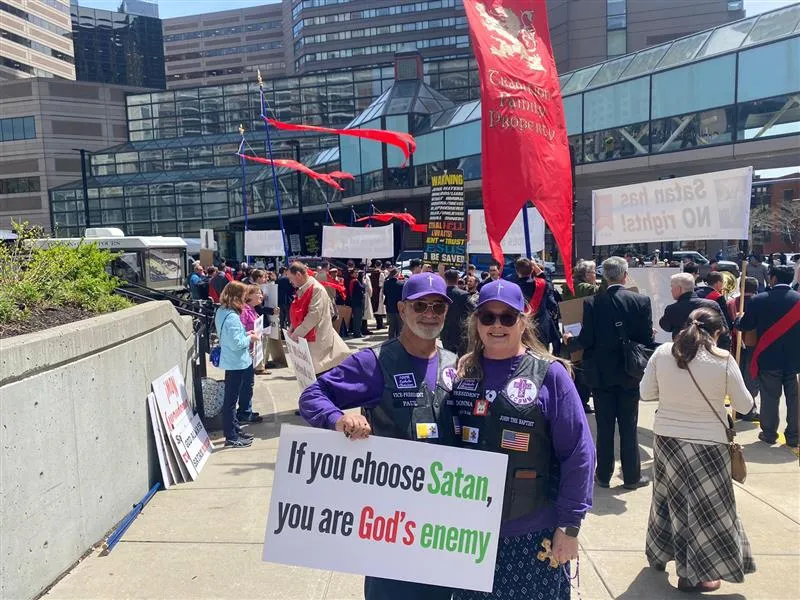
x=385 y=507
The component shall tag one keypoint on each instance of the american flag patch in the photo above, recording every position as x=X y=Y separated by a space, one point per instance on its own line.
x=457 y=425
x=514 y=440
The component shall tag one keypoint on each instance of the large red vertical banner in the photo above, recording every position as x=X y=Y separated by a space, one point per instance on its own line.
x=525 y=153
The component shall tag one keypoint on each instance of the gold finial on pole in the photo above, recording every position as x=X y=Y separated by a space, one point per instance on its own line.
x=241 y=129
x=260 y=81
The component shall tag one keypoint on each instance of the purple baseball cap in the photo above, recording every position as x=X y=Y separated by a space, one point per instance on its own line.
x=425 y=284
x=503 y=291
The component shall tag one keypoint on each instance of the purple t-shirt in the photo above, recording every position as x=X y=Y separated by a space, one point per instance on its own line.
x=356 y=382
x=572 y=446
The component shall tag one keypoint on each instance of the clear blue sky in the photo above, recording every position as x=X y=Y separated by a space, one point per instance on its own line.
x=180 y=8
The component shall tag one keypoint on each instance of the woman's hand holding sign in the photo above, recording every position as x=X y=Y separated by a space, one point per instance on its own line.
x=354 y=426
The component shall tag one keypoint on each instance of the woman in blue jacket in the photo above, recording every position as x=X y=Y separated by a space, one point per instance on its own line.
x=235 y=358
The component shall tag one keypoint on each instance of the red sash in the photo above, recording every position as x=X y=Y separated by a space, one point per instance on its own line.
x=779 y=328
x=713 y=295
x=299 y=310
x=539 y=287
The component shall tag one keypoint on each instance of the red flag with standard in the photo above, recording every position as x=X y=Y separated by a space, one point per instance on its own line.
x=524 y=148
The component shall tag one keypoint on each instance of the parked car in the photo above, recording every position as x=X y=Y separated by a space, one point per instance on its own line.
x=701 y=261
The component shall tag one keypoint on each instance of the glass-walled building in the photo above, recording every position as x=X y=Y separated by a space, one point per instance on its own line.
x=725 y=97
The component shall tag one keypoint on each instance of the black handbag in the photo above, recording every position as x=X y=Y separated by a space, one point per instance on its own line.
x=635 y=355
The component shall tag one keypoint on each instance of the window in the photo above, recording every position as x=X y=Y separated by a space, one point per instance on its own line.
x=20 y=128
x=617 y=42
x=20 y=185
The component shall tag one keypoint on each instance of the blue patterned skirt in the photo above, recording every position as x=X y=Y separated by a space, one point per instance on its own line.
x=519 y=575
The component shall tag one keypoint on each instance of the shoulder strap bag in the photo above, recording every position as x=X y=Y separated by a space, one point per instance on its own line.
x=216 y=352
x=738 y=464
x=635 y=354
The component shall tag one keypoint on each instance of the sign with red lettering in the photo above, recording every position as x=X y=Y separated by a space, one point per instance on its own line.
x=386 y=508
x=446 y=242
x=189 y=440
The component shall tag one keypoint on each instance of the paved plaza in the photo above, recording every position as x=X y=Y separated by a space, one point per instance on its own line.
x=203 y=540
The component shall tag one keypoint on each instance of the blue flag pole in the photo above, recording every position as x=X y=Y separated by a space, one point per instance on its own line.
x=527 y=230
x=244 y=187
x=274 y=174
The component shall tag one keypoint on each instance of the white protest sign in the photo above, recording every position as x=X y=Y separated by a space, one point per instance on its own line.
x=258 y=345
x=187 y=435
x=358 y=242
x=263 y=243
x=301 y=361
x=207 y=239
x=514 y=240
x=386 y=508
x=168 y=475
x=654 y=283
x=710 y=206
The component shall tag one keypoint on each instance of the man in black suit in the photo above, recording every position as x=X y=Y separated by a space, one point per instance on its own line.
x=686 y=300
x=453 y=335
x=392 y=294
x=777 y=362
x=616 y=394
x=285 y=297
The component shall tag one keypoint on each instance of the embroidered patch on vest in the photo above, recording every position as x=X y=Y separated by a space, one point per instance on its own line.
x=521 y=391
x=448 y=377
x=468 y=385
x=490 y=395
x=405 y=381
x=480 y=408
x=469 y=434
x=457 y=425
x=515 y=440
x=427 y=431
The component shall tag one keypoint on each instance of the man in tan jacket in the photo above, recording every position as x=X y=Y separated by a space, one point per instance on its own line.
x=311 y=316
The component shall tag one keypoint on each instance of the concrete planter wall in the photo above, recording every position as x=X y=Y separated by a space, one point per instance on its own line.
x=76 y=445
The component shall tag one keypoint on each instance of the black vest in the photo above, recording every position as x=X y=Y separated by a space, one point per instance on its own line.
x=408 y=410
x=513 y=423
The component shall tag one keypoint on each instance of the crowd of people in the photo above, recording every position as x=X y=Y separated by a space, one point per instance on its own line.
x=480 y=349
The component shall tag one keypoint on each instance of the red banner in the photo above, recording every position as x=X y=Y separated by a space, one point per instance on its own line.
x=404 y=141
x=524 y=148
x=296 y=166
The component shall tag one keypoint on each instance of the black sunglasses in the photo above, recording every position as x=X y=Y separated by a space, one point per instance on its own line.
x=487 y=318
x=437 y=308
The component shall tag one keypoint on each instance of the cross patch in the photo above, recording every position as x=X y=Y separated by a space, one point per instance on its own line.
x=521 y=391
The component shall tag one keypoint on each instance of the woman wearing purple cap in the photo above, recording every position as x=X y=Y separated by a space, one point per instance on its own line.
x=401 y=387
x=512 y=396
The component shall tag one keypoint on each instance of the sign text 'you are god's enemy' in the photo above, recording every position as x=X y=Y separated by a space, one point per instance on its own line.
x=385 y=507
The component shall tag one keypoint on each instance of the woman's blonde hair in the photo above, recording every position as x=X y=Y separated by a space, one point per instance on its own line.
x=470 y=363
x=252 y=289
x=234 y=295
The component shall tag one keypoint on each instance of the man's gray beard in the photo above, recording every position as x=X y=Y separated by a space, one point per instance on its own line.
x=424 y=332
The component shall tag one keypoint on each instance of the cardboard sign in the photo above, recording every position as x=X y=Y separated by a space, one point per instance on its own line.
x=571 y=315
x=710 y=206
x=188 y=438
x=300 y=359
x=263 y=243
x=386 y=507
x=446 y=241
x=654 y=282
x=170 y=473
x=207 y=239
x=258 y=346
x=514 y=240
x=358 y=242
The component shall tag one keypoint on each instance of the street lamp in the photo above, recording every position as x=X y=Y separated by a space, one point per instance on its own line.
x=295 y=144
x=85 y=181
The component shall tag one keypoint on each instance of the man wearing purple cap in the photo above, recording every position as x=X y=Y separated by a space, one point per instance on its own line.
x=401 y=387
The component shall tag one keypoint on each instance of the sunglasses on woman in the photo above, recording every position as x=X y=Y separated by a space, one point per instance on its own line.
x=420 y=307
x=507 y=319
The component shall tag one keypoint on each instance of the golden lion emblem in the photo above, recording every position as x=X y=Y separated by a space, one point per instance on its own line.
x=512 y=35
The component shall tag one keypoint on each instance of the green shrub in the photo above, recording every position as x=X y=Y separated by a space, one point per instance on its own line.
x=57 y=276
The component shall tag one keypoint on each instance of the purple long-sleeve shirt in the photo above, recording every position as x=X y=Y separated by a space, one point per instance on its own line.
x=572 y=447
x=356 y=383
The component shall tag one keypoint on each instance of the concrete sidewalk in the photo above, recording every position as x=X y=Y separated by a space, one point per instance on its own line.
x=204 y=539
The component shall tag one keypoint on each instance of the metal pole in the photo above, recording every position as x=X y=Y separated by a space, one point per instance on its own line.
x=300 y=199
x=85 y=182
x=274 y=174
x=244 y=188
x=525 y=226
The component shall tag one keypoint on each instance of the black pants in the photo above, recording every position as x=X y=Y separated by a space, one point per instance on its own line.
x=750 y=383
x=612 y=406
x=772 y=383
x=395 y=325
x=584 y=391
x=376 y=588
x=284 y=308
x=355 y=321
x=378 y=321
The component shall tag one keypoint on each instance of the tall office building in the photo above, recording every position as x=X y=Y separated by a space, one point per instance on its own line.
x=117 y=47
x=225 y=47
x=586 y=32
x=35 y=39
